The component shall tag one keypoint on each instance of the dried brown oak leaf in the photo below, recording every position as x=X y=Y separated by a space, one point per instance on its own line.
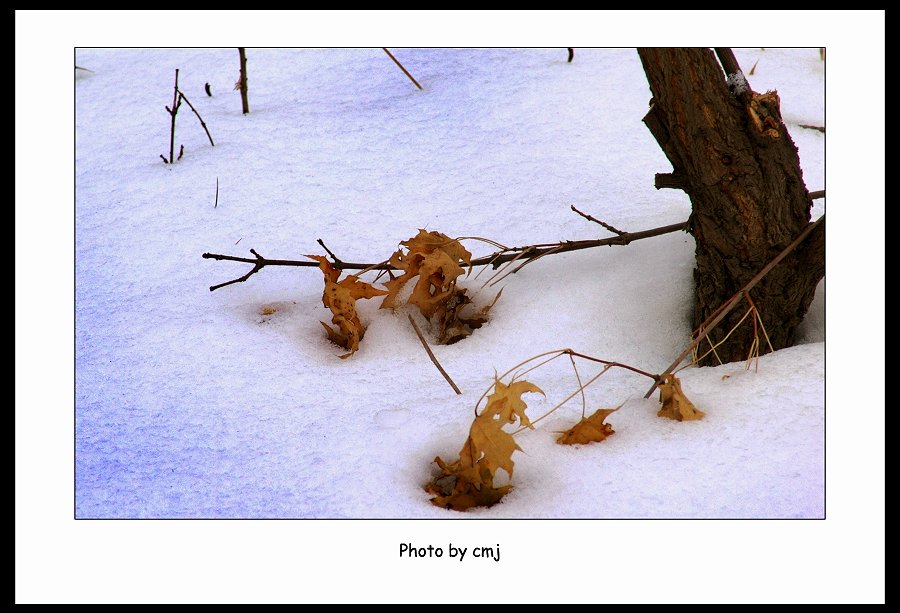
x=434 y=257
x=589 y=429
x=341 y=298
x=452 y=325
x=675 y=404
x=469 y=482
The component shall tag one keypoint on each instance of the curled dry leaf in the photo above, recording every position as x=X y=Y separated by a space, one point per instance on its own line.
x=434 y=258
x=341 y=298
x=589 y=429
x=469 y=482
x=675 y=404
x=452 y=324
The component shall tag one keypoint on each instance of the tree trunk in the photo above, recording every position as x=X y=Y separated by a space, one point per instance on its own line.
x=732 y=154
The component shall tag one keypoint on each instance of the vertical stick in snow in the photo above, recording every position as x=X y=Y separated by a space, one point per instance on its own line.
x=244 y=104
x=172 y=112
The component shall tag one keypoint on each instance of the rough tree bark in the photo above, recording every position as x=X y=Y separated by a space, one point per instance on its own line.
x=732 y=154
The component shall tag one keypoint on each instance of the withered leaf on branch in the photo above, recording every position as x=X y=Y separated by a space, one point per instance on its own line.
x=589 y=429
x=675 y=404
x=435 y=259
x=506 y=402
x=433 y=256
x=469 y=481
x=340 y=298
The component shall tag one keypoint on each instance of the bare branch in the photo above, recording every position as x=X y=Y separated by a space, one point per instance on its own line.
x=202 y=123
x=608 y=363
x=173 y=111
x=529 y=252
x=604 y=224
x=259 y=266
x=339 y=264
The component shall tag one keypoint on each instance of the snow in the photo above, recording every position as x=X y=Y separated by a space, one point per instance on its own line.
x=737 y=83
x=191 y=404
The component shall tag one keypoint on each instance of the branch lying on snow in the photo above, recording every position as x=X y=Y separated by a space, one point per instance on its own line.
x=719 y=314
x=528 y=253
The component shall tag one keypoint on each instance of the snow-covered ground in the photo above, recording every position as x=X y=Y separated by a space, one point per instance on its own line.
x=196 y=404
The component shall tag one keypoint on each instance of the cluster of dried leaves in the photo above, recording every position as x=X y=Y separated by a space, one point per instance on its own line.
x=432 y=257
x=433 y=262
x=470 y=481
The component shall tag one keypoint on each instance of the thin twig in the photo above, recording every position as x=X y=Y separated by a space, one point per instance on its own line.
x=759 y=317
x=712 y=347
x=337 y=261
x=173 y=111
x=497 y=265
x=217 y=195
x=259 y=266
x=431 y=355
x=612 y=229
x=519 y=374
x=564 y=400
x=571 y=54
x=202 y=123
x=527 y=262
x=608 y=363
x=809 y=127
x=580 y=386
x=405 y=71
x=732 y=302
x=529 y=252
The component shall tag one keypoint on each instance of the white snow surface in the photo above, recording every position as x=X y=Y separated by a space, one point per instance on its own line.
x=192 y=404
